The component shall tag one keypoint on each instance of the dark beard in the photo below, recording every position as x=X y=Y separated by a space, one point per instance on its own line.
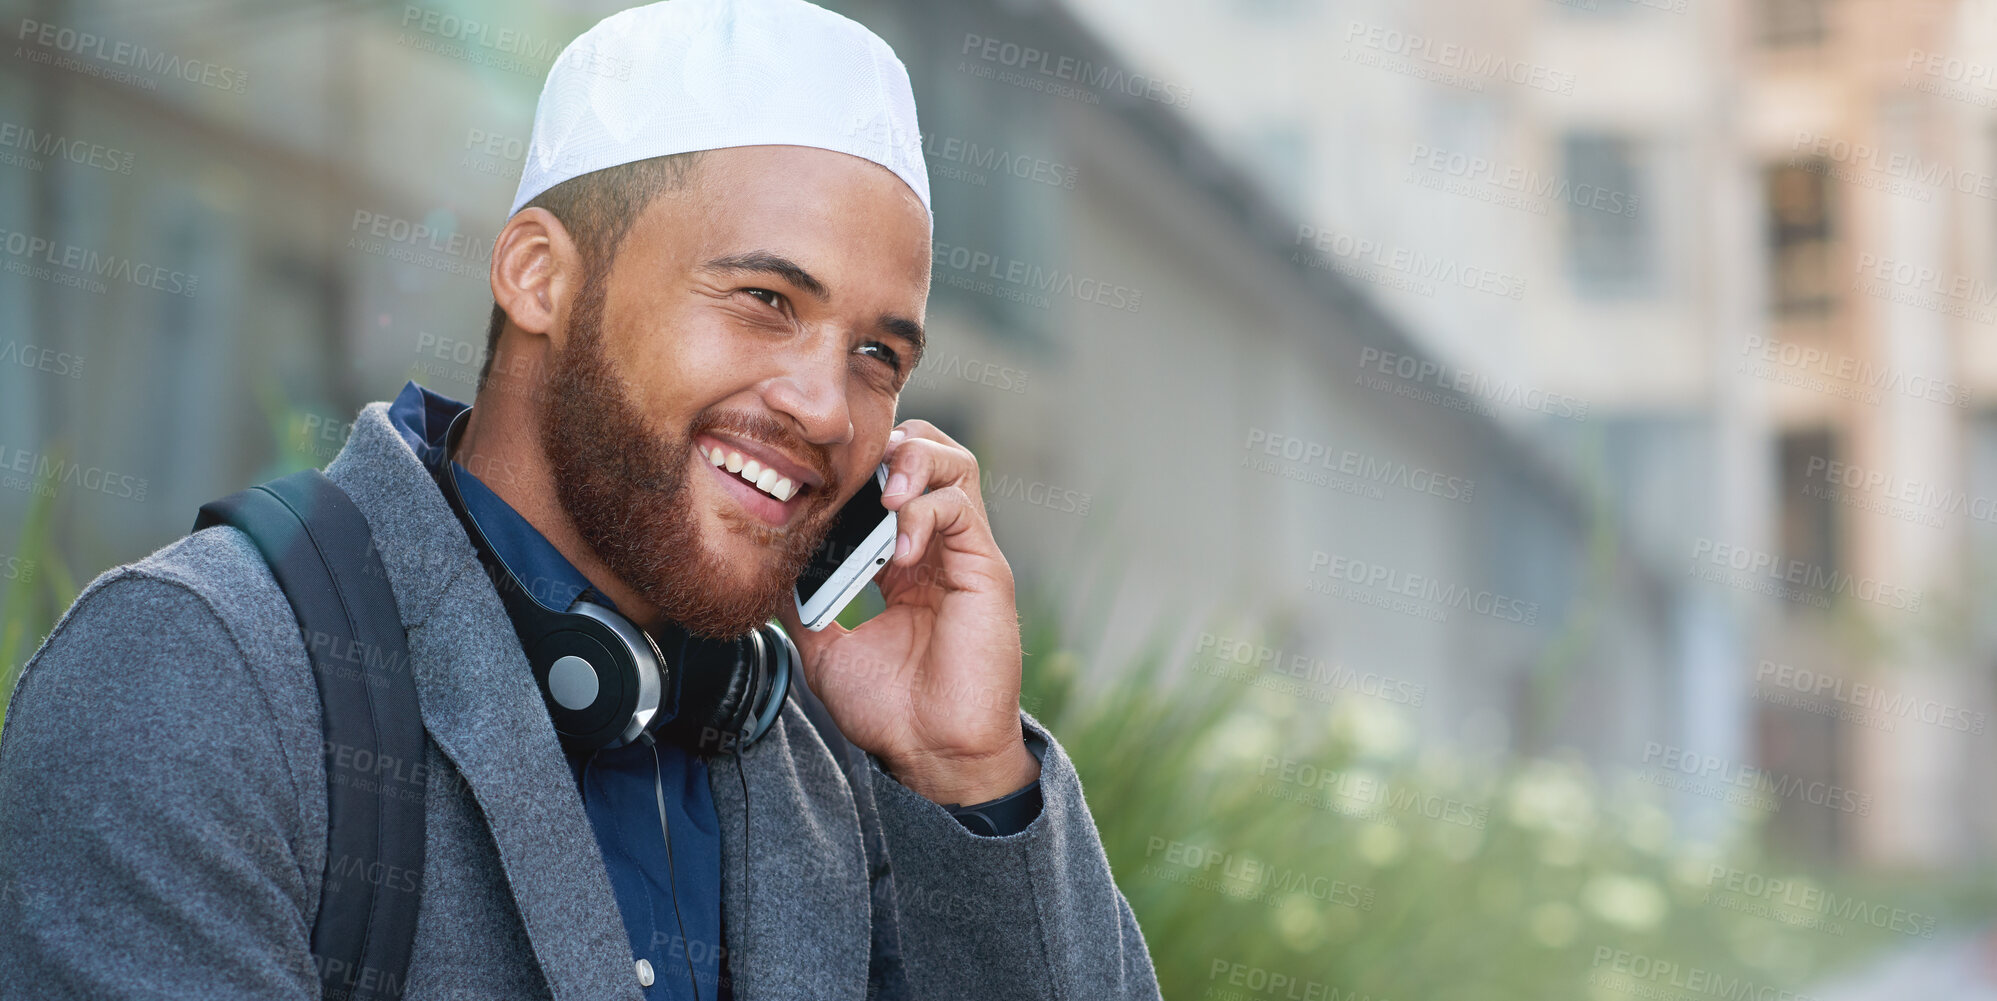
x=626 y=490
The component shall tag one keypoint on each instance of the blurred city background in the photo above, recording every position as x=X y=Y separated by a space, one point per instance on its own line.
x=1503 y=491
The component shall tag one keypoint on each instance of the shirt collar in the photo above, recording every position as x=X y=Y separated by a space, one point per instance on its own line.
x=422 y=416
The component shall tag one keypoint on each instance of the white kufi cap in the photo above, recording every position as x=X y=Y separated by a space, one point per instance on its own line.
x=685 y=75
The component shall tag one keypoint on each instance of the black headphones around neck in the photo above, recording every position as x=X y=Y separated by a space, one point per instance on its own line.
x=608 y=683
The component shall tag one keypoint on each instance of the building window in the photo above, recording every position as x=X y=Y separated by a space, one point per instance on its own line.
x=1808 y=523
x=1799 y=238
x=1608 y=239
x=1790 y=23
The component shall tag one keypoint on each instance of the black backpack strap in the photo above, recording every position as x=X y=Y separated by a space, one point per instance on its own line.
x=322 y=553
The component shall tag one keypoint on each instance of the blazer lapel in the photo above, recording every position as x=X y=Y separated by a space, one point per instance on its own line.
x=480 y=705
x=795 y=895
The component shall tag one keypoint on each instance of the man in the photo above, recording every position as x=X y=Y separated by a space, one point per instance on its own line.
x=719 y=254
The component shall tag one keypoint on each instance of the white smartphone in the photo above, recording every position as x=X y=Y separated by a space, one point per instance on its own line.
x=855 y=549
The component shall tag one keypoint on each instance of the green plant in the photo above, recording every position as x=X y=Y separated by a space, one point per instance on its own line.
x=1269 y=842
x=39 y=586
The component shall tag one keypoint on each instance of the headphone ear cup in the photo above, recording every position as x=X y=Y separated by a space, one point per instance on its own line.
x=602 y=678
x=583 y=689
x=780 y=659
x=730 y=690
x=713 y=684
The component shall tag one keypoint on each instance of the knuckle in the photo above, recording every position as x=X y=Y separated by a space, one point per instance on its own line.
x=906 y=455
x=945 y=453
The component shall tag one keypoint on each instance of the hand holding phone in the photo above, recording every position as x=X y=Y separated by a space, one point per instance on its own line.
x=896 y=683
x=855 y=549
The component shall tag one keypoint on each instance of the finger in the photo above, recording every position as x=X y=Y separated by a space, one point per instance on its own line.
x=947 y=514
x=916 y=427
x=918 y=465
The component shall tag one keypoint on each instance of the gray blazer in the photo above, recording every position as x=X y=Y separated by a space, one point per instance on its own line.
x=163 y=811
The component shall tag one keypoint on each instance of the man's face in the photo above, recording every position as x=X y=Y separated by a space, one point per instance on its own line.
x=770 y=309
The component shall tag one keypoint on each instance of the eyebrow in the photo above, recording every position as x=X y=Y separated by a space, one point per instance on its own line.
x=768 y=263
x=764 y=262
x=902 y=326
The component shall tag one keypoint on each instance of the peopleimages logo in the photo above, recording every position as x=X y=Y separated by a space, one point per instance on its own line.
x=1303 y=667
x=1474 y=64
x=1926 y=287
x=1864 y=375
x=59 y=147
x=1805 y=896
x=1360 y=465
x=1261 y=983
x=1330 y=246
x=1691 y=979
x=1673 y=758
x=1820 y=581
x=1538 y=188
x=1477 y=387
x=1257 y=877
x=1033 y=279
x=83 y=262
x=1902 y=166
x=975 y=158
x=1884 y=701
x=511 y=41
x=1423 y=587
x=1347 y=790
x=1106 y=78
x=1891 y=487
x=16 y=568
x=1954 y=69
x=47 y=470
x=86 y=45
x=44 y=359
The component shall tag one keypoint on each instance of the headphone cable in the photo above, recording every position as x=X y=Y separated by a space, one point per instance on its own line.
x=659 y=792
x=748 y=899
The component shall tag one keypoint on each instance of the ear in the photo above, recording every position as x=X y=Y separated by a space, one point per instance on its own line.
x=536 y=272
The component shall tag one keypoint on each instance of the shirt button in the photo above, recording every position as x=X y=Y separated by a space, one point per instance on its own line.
x=644 y=973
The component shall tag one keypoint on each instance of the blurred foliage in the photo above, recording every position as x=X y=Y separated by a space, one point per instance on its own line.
x=1359 y=891
x=38 y=586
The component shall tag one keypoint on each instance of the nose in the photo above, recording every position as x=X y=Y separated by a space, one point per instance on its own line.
x=810 y=387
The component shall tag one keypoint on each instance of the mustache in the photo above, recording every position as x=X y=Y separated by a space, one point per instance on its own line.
x=768 y=430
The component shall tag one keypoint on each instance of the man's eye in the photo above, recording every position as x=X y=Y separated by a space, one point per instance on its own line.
x=775 y=298
x=887 y=354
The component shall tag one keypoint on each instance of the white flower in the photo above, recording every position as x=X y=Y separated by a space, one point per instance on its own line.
x=1630 y=902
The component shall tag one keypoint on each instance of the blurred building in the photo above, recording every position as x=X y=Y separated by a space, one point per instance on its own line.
x=1756 y=235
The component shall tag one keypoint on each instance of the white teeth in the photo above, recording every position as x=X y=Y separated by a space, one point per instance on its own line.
x=763 y=478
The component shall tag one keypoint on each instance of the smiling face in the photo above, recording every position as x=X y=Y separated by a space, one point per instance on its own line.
x=769 y=312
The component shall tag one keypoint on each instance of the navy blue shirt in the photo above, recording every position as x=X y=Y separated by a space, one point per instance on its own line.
x=615 y=784
x=671 y=906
